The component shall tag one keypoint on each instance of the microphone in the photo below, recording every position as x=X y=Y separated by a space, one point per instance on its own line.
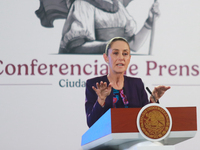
x=151 y=94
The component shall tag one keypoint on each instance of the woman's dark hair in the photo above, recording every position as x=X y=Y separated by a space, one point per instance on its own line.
x=113 y=40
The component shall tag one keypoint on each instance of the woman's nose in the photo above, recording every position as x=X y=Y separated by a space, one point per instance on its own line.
x=121 y=56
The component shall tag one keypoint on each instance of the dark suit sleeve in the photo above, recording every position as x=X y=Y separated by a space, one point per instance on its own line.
x=144 y=96
x=93 y=109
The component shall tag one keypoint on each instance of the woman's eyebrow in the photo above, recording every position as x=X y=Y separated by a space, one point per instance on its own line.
x=115 y=49
x=118 y=49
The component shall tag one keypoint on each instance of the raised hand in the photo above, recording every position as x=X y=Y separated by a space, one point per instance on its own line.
x=158 y=92
x=102 y=91
x=154 y=13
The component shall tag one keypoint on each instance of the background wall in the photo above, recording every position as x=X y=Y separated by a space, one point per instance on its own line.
x=37 y=113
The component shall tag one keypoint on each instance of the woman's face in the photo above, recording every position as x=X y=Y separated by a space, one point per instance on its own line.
x=118 y=57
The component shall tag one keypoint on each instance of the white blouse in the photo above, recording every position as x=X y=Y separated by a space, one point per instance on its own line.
x=85 y=22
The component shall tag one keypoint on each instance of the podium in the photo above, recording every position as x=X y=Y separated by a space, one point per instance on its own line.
x=117 y=129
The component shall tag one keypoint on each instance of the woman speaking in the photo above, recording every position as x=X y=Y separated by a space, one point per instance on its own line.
x=116 y=90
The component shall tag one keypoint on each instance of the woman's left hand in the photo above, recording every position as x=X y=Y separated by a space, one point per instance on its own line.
x=158 y=92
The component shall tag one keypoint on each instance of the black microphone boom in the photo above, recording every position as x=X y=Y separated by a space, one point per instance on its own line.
x=151 y=94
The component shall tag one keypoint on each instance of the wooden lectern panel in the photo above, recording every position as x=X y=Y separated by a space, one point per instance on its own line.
x=183 y=118
x=124 y=120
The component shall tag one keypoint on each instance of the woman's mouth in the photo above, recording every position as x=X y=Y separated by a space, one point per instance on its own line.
x=120 y=64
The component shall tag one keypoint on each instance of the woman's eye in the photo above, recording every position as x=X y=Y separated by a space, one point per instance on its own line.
x=115 y=53
x=125 y=54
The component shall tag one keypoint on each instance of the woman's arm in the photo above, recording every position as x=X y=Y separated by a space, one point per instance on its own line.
x=137 y=40
x=95 y=101
x=93 y=47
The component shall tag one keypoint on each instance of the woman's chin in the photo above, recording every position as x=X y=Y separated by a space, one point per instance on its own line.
x=120 y=72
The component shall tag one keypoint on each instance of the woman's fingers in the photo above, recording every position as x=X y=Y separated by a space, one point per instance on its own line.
x=160 y=90
x=94 y=89
x=102 y=85
x=102 y=90
x=155 y=10
x=97 y=85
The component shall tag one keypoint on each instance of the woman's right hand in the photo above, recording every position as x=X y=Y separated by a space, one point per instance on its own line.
x=102 y=91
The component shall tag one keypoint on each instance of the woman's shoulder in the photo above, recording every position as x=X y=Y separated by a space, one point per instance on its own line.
x=133 y=81
x=132 y=78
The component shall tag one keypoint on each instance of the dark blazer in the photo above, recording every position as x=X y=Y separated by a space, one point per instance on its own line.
x=134 y=90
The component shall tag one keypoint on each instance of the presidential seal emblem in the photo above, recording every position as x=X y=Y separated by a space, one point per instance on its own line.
x=154 y=122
